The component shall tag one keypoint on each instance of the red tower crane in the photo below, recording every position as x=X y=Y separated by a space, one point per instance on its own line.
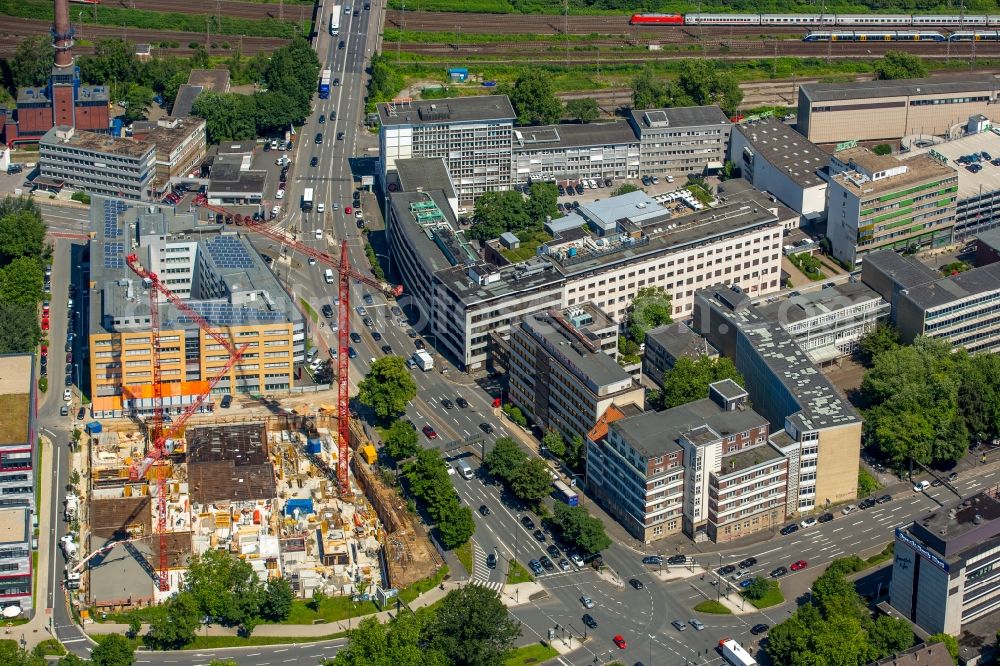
x=344 y=270
x=157 y=453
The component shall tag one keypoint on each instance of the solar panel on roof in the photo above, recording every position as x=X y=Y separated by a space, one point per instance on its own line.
x=229 y=252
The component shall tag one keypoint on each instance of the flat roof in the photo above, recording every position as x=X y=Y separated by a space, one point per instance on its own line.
x=237 y=147
x=428 y=173
x=167 y=139
x=748 y=458
x=818 y=302
x=654 y=434
x=969 y=184
x=919 y=169
x=681 y=116
x=787 y=151
x=989 y=238
x=907 y=272
x=678 y=339
x=98 y=143
x=955 y=518
x=16 y=395
x=37 y=94
x=184 y=101
x=819 y=403
x=945 y=290
x=960 y=83
x=573 y=135
x=216 y=80
x=14 y=525
x=247 y=182
x=443 y=111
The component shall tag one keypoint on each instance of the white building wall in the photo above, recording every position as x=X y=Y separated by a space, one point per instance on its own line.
x=843 y=212
x=765 y=176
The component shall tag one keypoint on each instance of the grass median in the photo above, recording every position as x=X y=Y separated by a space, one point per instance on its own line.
x=536 y=653
x=712 y=607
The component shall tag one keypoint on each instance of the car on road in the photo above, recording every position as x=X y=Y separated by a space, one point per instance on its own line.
x=726 y=570
x=351 y=352
x=564 y=564
x=748 y=562
x=589 y=621
x=336 y=82
x=319 y=234
x=576 y=559
x=355 y=337
x=885 y=499
x=462 y=402
x=849 y=509
x=759 y=629
x=620 y=642
x=376 y=336
x=447 y=404
x=953 y=477
x=322 y=118
x=227 y=400
x=677 y=559
x=486 y=427
x=587 y=602
x=539 y=535
x=327 y=311
x=528 y=522
x=64 y=410
x=419 y=344
x=386 y=349
x=655 y=560
x=679 y=625
x=779 y=572
x=67 y=394
x=491 y=561
x=921 y=486
x=361 y=311
x=340 y=136
x=319 y=137
x=553 y=550
x=367 y=298
x=825 y=518
x=740 y=575
x=808 y=522
x=547 y=563
x=789 y=529
x=484 y=510
x=536 y=567
x=636 y=584
x=429 y=432
x=697 y=624
x=314 y=162
x=396 y=311
x=347 y=210
x=799 y=565
x=341 y=44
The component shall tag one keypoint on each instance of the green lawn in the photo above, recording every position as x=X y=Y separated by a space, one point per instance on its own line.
x=421 y=586
x=330 y=610
x=536 y=653
x=772 y=598
x=530 y=240
x=713 y=607
x=518 y=574
x=309 y=309
x=464 y=555
x=49 y=647
x=213 y=642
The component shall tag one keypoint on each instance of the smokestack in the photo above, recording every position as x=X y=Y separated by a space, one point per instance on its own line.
x=62 y=35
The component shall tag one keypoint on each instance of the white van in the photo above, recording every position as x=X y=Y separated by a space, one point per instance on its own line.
x=921 y=486
x=464 y=469
x=328 y=276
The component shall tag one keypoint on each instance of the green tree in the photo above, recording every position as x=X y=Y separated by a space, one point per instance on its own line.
x=21 y=281
x=574 y=452
x=950 y=643
x=455 y=525
x=134 y=626
x=689 y=379
x=516 y=415
x=317 y=599
x=387 y=387
x=884 y=337
x=472 y=627
x=225 y=587
x=137 y=100
x=584 y=110
x=624 y=188
x=554 y=442
x=399 y=642
x=890 y=635
x=385 y=82
x=228 y=116
x=505 y=458
x=867 y=484
x=701 y=82
x=531 y=481
x=579 y=528
x=113 y=60
x=882 y=149
x=650 y=308
x=19 y=329
x=176 y=627
x=22 y=231
x=899 y=65
x=648 y=92
x=277 y=600
x=11 y=654
x=113 y=650
x=171 y=87
x=275 y=111
x=541 y=203
x=400 y=440
x=32 y=63
x=497 y=212
x=533 y=98
x=979 y=396
x=758 y=589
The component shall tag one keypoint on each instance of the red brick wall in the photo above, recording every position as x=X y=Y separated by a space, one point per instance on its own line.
x=62 y=105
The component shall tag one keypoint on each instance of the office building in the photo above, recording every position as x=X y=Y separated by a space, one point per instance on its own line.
x=880 y=202
x=15 y=558
x=838 y=112
x=666 y=344
x=99 y=164
x=977 y=208
x=474 y=135
x=704 y=468
x=947 y=563
x=935 y=654
x=987 y=247
x=776 y=159
x=963 y=309
x=574 y=151
x=813 y=425
x=560 y=374
x=828 y=323
x=681 y=141
x=219 y=275
x=180 y=146
x=231 y=180
x=18 y=430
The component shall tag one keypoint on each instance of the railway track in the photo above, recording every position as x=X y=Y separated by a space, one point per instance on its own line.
x=13 y=30
x=250 y=10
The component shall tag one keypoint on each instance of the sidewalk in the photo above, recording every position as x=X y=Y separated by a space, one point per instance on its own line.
x=295 y=630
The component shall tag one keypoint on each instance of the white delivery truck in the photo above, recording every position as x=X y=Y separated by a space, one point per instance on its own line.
x=735 y=654
x=328 y=276
x=423 y=360
x=464 y=469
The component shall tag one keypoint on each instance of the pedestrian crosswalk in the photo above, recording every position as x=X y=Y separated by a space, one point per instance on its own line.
x=480 y=572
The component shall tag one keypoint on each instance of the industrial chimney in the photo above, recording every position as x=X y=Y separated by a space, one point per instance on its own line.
x=64 y=74
x=62 y=35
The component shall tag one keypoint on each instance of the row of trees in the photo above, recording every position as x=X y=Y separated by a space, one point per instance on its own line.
x=578 y=527
x=470 y=627
x=428 y=479
x=497 y=212
x=927 y=402
x=570 y=452
x=289 y=79
x=225 y=589
x=698 y=83
x=22 y=274
x=526 y=477
x=835 y=628
x=387 y=388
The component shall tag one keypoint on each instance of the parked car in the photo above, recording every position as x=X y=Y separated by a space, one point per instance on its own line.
x=226 y=401
x=825 y=518
x=849 y=509
x=539 y=535
x=553 y=550
x=528 y=522
x=726 y=570
x=789 y=529
x=547 y=563
x=884 y=499
x=536 y=567
x=808 y=522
